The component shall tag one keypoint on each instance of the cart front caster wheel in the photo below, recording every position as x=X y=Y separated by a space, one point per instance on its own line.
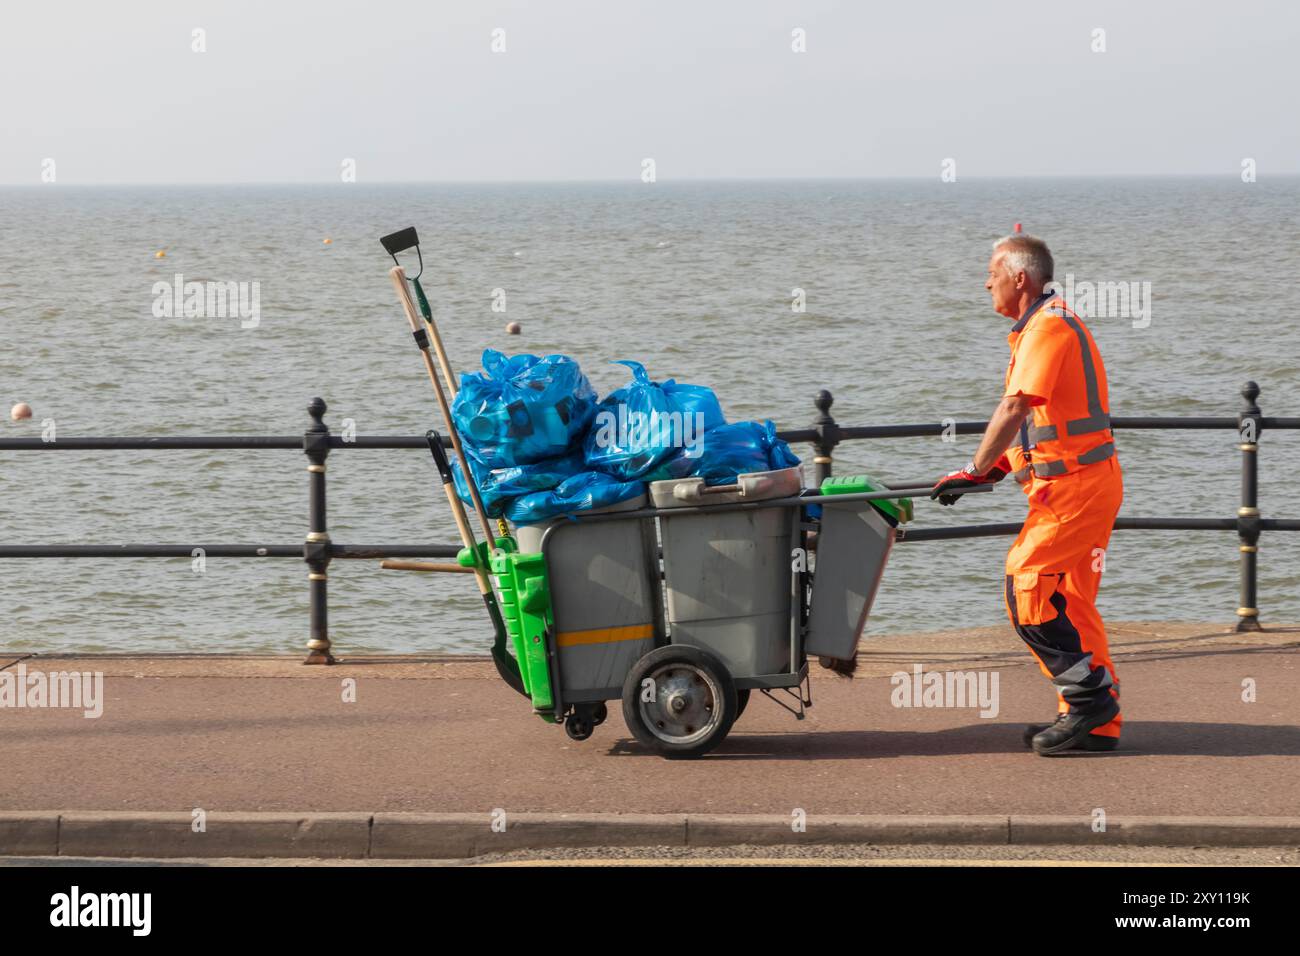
x=584 y=719
x=578 y=726
x=680 y=701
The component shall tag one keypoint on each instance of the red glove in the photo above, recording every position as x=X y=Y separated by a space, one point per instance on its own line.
x=967 y=477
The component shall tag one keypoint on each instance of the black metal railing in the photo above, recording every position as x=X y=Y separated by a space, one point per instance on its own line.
x=825 y=435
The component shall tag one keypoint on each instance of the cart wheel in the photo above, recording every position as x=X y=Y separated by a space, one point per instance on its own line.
x=598 y=714
x=578 y=726
x=845 y=666
x=742 y=701
x=694 y=701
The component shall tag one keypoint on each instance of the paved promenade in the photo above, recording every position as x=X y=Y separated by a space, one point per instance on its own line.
x=239 y=735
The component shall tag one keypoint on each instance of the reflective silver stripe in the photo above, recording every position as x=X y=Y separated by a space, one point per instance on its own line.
x=1079 y=688
x=1073 y=677
x=1100 y=453
x=1047 y=469
x=1039 y=433
x=1022 y=475
x=1080 y=670
x=1093 y=423
x=1095 y=411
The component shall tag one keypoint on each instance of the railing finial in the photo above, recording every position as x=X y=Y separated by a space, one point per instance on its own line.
x=316 y=409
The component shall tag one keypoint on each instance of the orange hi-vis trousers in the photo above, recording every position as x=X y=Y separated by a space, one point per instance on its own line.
x=1053 y=572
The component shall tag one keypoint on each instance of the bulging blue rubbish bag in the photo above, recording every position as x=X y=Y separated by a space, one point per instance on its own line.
x=524 y=410
x=728 y=451
x=581 y=492
x=500 y=486
x=697 y=401
x=644 y=423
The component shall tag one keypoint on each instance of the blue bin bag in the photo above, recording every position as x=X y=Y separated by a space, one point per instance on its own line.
x=525 y=409
x=582 y=492
x=499 y=486
x=696 y=401
x=644 y=423
x=729 y=451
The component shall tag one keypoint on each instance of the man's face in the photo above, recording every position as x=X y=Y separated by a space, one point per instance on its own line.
x=1004 y=286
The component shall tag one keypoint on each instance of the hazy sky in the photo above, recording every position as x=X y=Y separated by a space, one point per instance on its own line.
x=113 y=91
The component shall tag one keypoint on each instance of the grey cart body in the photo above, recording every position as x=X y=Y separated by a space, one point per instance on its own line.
x=728 y=577
x=853 y=545
x=682 y=608
x=605 y=598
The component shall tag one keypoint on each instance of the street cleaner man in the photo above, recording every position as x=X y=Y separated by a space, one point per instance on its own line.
x=1053 y=424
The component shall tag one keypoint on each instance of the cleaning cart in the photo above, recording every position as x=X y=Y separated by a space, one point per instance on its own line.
x=683 y=606
x=679 y=599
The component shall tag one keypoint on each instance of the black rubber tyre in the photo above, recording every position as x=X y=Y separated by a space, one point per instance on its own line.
x=598 y=713
x=844 y=668
x=693 y=701
x=578 y=726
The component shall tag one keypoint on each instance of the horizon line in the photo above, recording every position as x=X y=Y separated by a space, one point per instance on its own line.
x=636 y=181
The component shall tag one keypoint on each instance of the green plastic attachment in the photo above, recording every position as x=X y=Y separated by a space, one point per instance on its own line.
x=526 y=609
x=900 y=509
x=465 y=557
x=422 y=299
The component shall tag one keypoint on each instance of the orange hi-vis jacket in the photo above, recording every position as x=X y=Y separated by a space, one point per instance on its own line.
x=1072 y=428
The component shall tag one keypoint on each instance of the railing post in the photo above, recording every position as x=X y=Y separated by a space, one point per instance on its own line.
x=828 y=436
x=1248 y=427
x=316 y=551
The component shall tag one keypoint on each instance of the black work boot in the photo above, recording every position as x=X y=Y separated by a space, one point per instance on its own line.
x=1071 y=730
x=1092 y=742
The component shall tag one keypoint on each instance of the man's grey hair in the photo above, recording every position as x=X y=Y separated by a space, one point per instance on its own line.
x=1027 y=254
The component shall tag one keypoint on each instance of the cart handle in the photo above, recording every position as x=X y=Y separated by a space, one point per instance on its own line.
x=793 y=502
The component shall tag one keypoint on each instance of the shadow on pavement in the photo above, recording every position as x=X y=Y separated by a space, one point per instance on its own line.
x=1141 y=739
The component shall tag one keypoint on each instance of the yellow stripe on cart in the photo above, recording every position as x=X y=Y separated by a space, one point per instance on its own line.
x=605 y=635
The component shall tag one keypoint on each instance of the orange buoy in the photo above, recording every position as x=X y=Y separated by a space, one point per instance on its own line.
x=514 y=328
x=160 y=254
x=20 y=411
x=326 y=241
